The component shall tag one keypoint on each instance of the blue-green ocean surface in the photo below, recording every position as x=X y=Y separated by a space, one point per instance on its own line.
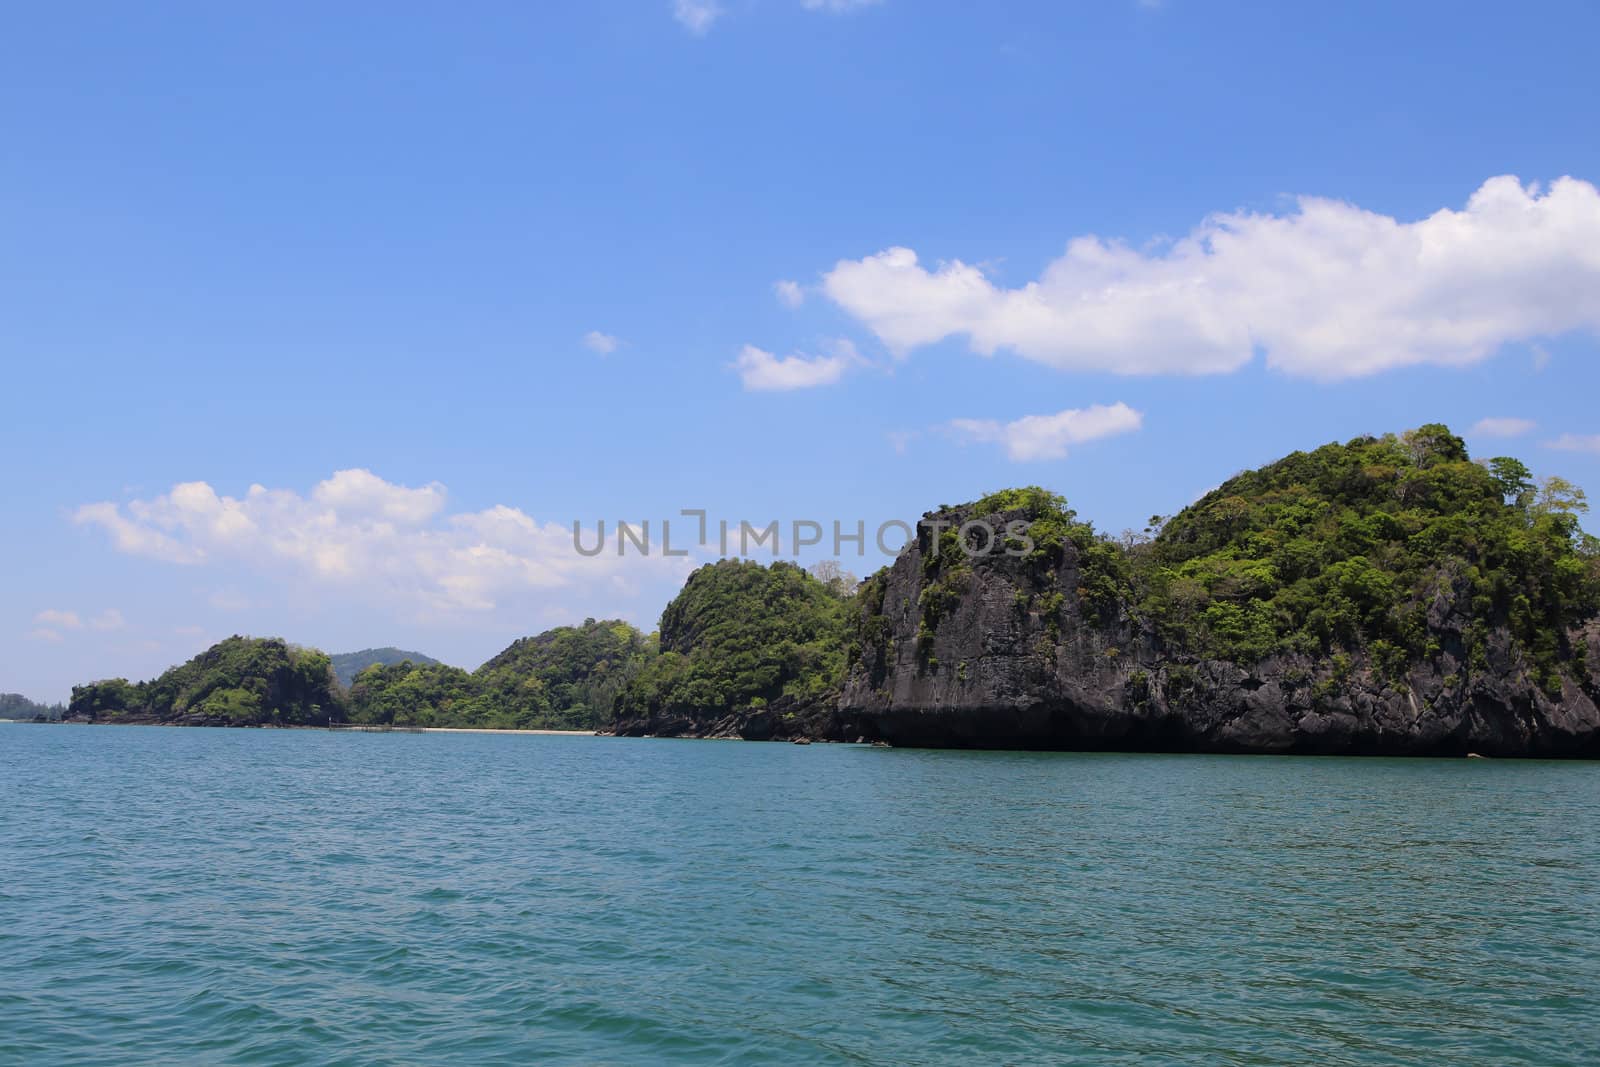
x=254 y=897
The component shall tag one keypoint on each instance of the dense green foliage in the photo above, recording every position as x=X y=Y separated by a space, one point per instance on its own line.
x=1340 y=551
x=17 y=706
x=1104 y=569
x=569 y=676
x=563 y=679
x=346 y=665
x=416 y=694
x=1345 y=549
x=741 y=634
x=243 y=681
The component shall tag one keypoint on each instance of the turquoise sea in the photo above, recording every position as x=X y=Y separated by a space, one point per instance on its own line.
x=185 y=896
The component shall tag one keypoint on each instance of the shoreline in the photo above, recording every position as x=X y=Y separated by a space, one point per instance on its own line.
x=336 y=728
x=488 y=730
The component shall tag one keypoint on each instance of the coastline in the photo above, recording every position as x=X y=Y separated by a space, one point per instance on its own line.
x=476 y=730
x=336 y=727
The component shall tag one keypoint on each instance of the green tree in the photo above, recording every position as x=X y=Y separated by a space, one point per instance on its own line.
x=1513 y=478
x=740 y=634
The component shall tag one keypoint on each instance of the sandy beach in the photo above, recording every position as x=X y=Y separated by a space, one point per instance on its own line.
x=471 y=730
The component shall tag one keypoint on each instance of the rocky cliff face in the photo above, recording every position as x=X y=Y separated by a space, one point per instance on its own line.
x=1002 y=652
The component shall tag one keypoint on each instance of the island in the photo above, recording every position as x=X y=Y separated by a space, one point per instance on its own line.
x=1384 y=596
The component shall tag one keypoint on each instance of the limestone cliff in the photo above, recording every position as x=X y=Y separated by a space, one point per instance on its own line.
x=1014 y=660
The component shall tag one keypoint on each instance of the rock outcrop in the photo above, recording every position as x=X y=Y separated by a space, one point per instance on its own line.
x=1014 y=660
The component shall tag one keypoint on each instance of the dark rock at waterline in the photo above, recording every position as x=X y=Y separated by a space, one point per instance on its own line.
x=784 y=719
x=997 y=671
x=995 y=675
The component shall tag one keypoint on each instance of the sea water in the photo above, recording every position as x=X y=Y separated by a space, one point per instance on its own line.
x=290 y=897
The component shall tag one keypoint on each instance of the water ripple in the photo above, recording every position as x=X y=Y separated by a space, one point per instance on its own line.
x=200 y=896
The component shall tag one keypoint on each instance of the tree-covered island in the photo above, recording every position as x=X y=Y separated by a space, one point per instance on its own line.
x=1384 y=595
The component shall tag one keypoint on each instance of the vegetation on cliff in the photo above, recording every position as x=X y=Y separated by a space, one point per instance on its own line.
x=1346 y=548
x=562 y=679
x=1382 y=552
x=242 y=681
x=742 y=635
x=1340 y=550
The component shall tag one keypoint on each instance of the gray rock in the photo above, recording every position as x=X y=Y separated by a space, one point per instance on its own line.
x=997 y=673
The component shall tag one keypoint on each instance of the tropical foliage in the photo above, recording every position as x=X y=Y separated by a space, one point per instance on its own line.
x=243 y=681
x=1348 y=546
x=565 y=679
x=1341 y=549
x=741 y=634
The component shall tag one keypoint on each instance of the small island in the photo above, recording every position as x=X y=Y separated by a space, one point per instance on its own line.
x=1384 y=596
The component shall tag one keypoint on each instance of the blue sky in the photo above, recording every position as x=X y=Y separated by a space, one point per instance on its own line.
x=516 y=265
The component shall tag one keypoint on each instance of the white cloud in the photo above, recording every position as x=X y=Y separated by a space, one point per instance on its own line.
x=56 y=619
x=44 y=633
x=132 y=532
x=696 y=16
x=1047 y=436
x=761 y=371
x=109 y=619
x=900 y=440
x=790 y=295
x=837 y=7
x=1328 y=290
x=602 y=343
x=1576 y=442
x=1503 y=426
x=360 y=493
x=367 y=537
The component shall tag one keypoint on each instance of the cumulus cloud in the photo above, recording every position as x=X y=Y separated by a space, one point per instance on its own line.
x=360 y=493
x=696 y=16
x=601 y=343
x=1503 y=426
x=50 y=623
x=133 y=533
x=790 y=295
x=363 y=535
x=1327 y=290
x=1035 y=437
x=1576 y=442
x=761 y=371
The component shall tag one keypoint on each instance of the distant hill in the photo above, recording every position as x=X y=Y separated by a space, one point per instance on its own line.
x=346 y=665
x=17 y=706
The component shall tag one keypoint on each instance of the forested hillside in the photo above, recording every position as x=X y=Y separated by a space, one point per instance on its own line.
x=242 y=681
x=741 y=635
x=564 y=679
